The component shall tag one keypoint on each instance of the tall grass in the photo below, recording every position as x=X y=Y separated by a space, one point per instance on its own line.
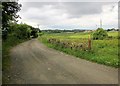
x=102 y=52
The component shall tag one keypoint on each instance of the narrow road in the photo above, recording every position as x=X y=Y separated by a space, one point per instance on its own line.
x=34 y=63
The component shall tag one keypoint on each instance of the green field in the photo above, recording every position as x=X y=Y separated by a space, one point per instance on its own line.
x=102 y=51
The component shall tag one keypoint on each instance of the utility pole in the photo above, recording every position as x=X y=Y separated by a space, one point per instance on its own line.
x=96 y=26
x=38 y=26
x=100 y=23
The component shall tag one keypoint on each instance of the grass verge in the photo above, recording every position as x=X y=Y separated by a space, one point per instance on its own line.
x=10 y=42
x=103 y=51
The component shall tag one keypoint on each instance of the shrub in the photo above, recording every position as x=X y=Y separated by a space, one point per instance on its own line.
x=40 y=33
x=34 y=33
x=100 y=34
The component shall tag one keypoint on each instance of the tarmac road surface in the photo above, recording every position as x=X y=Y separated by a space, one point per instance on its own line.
x=34 y=63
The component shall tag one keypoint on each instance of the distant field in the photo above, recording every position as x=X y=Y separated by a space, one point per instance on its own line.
x=77 y=35
x=114 y=33
x=103 y=51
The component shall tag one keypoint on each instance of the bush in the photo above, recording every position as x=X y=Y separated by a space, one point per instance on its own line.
x=40 y=33
x=21 y=31
x=4 y=34
x=100 y=34
x=34 y=33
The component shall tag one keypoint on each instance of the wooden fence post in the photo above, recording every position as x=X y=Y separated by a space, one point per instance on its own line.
x=89 y=43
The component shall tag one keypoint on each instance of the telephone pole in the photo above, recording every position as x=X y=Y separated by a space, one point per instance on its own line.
x=100 y=23
x=38 y=26
x=96 y=26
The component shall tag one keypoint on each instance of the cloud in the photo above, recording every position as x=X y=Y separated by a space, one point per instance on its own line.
x=73 y=8
x=69 y=14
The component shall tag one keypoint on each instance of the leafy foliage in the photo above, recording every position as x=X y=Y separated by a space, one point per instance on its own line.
x=100 y=34
x=21 y=31
x=34 y=32
x=9 y=14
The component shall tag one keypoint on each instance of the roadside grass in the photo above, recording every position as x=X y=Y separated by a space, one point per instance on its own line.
x=103 y=51
x=10 y=42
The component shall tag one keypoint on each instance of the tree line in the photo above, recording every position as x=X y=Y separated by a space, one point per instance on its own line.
x=60 y=31
x=9 y=23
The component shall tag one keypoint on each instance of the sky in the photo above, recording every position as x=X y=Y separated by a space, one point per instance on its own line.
x=69 y=15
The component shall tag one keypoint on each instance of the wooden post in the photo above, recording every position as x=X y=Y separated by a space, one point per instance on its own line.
x=89 y=42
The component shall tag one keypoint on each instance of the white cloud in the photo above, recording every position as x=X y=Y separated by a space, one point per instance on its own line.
x=54 y=16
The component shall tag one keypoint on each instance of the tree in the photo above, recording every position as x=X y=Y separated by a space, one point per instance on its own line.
x=100 y=34
x=34 y=32
x=21 y=31
x=9 y=14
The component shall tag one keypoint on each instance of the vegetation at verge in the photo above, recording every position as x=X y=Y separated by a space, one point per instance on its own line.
x=103 y=51
x=12 y=33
